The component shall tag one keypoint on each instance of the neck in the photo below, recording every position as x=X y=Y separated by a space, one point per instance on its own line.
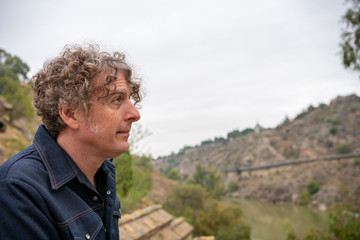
x=87 y=162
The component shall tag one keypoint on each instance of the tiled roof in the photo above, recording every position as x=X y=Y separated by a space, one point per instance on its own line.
x=153 y=223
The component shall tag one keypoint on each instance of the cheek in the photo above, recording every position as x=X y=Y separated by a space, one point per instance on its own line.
x=94 y=128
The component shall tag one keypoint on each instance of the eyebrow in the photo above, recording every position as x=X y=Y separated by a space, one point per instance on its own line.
x=118 y=92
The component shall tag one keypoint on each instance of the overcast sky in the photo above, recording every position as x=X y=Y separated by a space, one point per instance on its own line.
x=208 y=67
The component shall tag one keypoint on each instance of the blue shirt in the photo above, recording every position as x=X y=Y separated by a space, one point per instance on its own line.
x=44 y=195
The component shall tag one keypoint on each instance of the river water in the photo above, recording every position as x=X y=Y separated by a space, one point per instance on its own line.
x=269 y=221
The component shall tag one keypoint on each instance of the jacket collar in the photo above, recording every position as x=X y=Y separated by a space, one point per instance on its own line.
x=59 y=165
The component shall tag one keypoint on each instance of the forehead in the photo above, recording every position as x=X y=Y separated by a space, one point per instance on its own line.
x=101 y=77
x=100 y=81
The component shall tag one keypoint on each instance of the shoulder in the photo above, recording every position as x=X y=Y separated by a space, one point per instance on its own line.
x=24 y=165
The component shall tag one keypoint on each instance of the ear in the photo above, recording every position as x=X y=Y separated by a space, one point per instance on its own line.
x=70 y=117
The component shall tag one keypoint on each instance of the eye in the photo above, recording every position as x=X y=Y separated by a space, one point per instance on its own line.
x=117 y=99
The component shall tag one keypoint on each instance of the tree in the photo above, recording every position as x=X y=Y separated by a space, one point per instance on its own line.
x=350 y=45
x=14 y=64
x=124 y=173
x=13 y=71
x=313 y=187
x=186 y=200
x=210 y=179
x=235 y=133
x=221 y=221
x=174 y=174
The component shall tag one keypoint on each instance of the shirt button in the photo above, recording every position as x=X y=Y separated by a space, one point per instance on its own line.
x=95 y=198
x=87 y=236
x=108 y=192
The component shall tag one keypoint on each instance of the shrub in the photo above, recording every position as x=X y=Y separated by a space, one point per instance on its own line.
x=124 y=173
x=291 y=235
x=344 y=222
x=313 y=187
x=313 y=234
x=222 y=221
x=334 y=121
x=174 y=174
x=357 y=161
x=305 y=197
x=232 y=187
x=240 y=231
x=143 y=162
x=333 y=131
x=343 y=148
x=186 y=199
x=210 y=179
x=132 y=181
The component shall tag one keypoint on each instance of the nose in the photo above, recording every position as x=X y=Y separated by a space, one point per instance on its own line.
x=133 y=114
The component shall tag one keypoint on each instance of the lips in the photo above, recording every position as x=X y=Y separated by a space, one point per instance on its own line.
x=127 y=132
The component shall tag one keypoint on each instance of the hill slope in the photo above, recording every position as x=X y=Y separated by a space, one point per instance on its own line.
x=324 y=130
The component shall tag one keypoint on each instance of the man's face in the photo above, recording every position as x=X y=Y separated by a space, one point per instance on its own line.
x=107 y=129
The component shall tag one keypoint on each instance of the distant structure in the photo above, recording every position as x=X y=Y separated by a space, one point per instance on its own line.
x=257 y=128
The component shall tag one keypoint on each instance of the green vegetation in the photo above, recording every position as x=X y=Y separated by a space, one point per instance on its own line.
x=286 y=121
x=13 y=87
x=133 y=179
x=208 y=216
x=344 y=224
x=292 y=152
x=333 y=131
x=305 y=112
x=305 y=197
x=174 y=174
x=343 y=219
x=313 y=187
x=221 y=221
x=334 y=121
x=198 y=202
x=15 y=145
x=319 y=117
x=186 y=200
x=232 y=187
x=210 y=179
x=183 y=150
x=350 y=45
x=357 y=161
x=236 y=133
x=343 y=148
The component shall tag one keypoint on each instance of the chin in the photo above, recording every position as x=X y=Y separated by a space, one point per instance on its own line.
x=122 y=149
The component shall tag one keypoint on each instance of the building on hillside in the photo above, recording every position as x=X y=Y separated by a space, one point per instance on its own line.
x=258 y=128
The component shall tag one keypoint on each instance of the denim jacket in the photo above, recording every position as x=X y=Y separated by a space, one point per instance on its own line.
x=44 y=195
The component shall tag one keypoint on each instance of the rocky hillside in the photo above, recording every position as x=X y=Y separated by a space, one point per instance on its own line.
x=318 y=131
x=15 y=135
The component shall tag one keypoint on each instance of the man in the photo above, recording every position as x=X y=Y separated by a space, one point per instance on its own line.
x=63 y=186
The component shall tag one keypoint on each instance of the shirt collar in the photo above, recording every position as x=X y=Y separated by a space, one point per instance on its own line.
x=58 y=163
x=54 y=158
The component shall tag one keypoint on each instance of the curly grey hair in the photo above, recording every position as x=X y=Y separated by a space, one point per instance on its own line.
x=66 y=81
